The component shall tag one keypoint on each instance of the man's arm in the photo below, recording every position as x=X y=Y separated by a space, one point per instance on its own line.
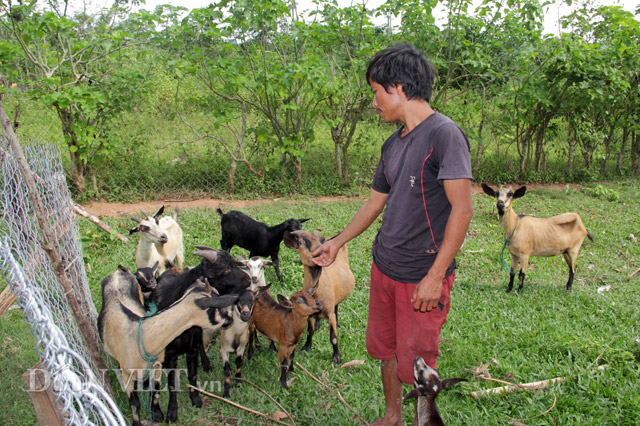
x=427 y=294
x=365 y=216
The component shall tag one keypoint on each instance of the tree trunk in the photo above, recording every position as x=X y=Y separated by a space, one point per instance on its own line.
x=635 y=152
x=572 y=148
x=345 y=164
x=623 y=148
x=78 y=166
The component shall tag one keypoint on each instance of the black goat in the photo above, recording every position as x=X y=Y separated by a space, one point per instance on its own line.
x=259 y=238
x=218 y=268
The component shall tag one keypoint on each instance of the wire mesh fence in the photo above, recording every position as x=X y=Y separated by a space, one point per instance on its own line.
x=24 y=263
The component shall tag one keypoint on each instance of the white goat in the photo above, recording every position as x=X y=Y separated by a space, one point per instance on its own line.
x=255 y=269
x=127 y=333
x=527 y=236
x=160 y=241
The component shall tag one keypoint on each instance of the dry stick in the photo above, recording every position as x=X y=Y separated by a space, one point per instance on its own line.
x=240 y=379
x=337 y=395
x=513 y=388
x=633 y=273
x=52 y=248
x=84 y=213
x=238 y=406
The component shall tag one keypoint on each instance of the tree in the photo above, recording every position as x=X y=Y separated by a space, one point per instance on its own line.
x=78 y=66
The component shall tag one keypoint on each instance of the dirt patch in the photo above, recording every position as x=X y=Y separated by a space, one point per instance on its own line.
x=108 y=209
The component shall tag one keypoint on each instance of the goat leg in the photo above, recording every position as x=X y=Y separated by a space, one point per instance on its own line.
x=333 y=336
x=155 y=403
x=512 y=275
x=134 y=404
x=521 y=278
x=284 y=367
x=311 y=327
x=276 y=265
x=173 y=380
x=227 y=376
x=192 y=373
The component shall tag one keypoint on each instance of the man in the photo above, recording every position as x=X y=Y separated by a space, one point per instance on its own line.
x=424 y=180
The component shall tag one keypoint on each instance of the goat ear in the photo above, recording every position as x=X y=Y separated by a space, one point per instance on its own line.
x=519 y=192
x=312 y=290
x=291 y=240
x=134 y=230
x=415 y=393
x=450 y=382
x=154 y=267
x=488 y=190
x=158 y=213
x=304 y=220
x=210 y=255
x=217 y=301
x=124 y=269
x=267 y=262
x=284 y=302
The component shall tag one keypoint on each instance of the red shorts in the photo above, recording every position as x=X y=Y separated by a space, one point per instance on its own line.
x=396 y=331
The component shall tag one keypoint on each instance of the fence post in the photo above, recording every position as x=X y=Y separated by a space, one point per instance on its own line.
x=42 y=397
x=52 y=248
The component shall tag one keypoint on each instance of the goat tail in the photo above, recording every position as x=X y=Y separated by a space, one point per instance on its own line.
x=591 y=237
x=220 y=212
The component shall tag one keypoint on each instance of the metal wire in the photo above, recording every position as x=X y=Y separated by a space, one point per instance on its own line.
x=74 y=378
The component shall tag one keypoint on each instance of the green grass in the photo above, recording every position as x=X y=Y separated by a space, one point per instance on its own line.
x=539 y=334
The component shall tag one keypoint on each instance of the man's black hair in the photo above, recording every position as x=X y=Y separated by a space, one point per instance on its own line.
x=403 y=64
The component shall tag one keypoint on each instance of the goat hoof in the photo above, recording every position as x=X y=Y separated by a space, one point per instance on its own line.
x=306 y=347
x=509 y=289
x=337 y=359
x=158 y=416
x=196 y=401
x=172 y=416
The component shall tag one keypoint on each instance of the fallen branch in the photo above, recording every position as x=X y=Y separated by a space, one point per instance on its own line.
x=240 y=379
x=78 y=209
x=515 y=387
x=239 y=406
x=633 y=273
x=335 y=393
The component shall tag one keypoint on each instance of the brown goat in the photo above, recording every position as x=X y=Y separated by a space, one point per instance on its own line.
x=335 y=283
x=527 y=236
x=283 y=322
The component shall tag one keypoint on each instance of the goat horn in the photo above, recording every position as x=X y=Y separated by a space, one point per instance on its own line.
x=205 y=248
x=210 y=255
x=135 y=219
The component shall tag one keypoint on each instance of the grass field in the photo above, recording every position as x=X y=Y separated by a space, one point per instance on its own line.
x=589 y=337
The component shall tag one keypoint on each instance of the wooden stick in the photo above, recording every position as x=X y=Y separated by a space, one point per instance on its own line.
x=513 y=388
x=78 y=209
x=240 y=379
x=337 y=395
x=633 y=273
x=51 y=247
x=7 y=297
x=239 y=406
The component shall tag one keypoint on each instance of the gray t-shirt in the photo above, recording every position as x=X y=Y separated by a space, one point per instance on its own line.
x=411 y=170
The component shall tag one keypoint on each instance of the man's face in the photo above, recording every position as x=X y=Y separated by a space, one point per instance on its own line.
x=387 y=104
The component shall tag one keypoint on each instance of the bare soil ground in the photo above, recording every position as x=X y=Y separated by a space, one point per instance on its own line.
x=110 y=209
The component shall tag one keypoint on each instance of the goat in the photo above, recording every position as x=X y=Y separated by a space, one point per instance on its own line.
x=255 y=269
x=257 y=237
x=160 y=240
x=147 y=280
x=428 y=386
x=218 y=268
x=532 y=236
x=335 y=283
x=127 y=333
x=284 y=322
x=236 y=337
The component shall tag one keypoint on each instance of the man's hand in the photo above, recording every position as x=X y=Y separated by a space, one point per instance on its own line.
x=427 y=294
x=326 y=253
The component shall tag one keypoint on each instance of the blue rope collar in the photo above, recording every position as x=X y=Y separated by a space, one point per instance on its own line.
x=506 y=242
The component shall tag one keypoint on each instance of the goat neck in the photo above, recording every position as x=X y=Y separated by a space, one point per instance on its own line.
x=162 y=328
x=508 y=218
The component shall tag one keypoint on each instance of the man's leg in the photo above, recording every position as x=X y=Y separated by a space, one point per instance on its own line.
x=392 y=394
